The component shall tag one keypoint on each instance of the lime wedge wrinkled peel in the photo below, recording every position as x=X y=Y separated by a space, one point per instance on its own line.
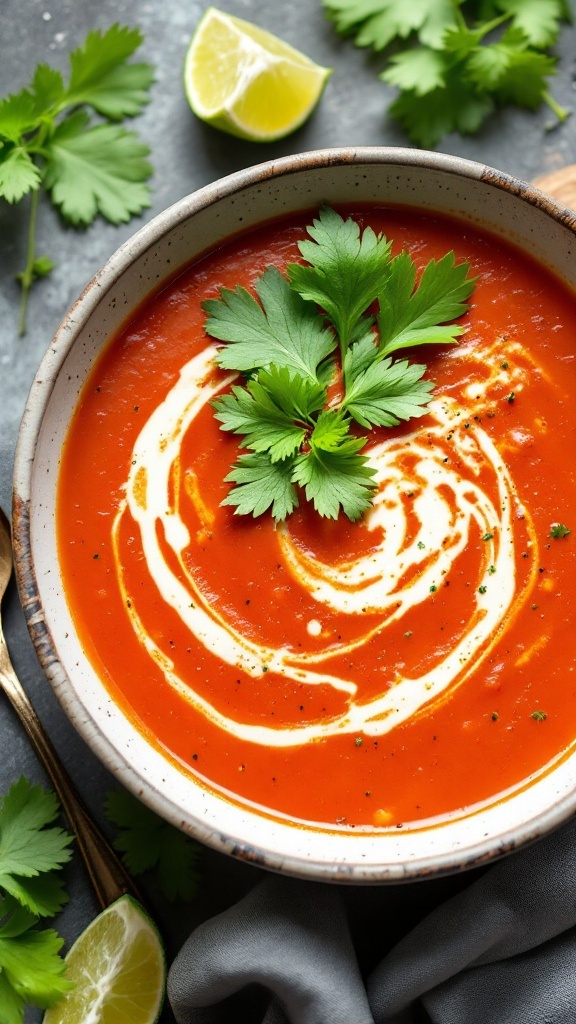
x=247 y=82
x=119 y=969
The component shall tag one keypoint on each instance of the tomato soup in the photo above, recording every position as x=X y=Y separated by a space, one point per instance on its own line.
x=407 y=666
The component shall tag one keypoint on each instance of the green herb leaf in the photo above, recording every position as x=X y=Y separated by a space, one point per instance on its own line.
x=283 y=330
x=31 y=853
x=538 y=20
x=388 y=392
x=18 y=115
x=459 y=41
x=410 y=316
x=44 y=894
x=101 y=78
x=377 y=23
x=48 y=91
x=18 y=173
x=420 y=70
x=299 y=397
x=265 y=411
x=97 y=170
x=149 y=844
x=461 y=70
x=511 y=71
x=46 y=140
x=29 y=849
x=334 y=475
x=455 y=107
x=558 y=530
x=331 y=430
x=346 y=272
x=11 y=1004
x=261 y=484
x=297 y=427
x=265 y=427
x=31 y=971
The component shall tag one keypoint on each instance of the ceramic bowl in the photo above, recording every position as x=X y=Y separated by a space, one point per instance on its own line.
x=507 y=207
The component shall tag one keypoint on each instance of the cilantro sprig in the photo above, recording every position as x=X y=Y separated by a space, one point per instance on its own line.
x=455 y=61
x=150 y=845
x=315 y=346
x=49 y=141
x=31 y=855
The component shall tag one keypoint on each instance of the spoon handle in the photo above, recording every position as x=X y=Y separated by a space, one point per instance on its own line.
x=105 y=869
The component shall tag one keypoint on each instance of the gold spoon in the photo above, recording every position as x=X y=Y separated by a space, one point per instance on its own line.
x=106 y=871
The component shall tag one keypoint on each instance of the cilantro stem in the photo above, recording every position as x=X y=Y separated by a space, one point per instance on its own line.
x=489 y=26
x=27 y=276
x=561 y=113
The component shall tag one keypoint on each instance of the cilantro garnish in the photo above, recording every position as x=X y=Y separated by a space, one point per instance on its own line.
x=282 y=330
x=48 y=141
x=470 y=57
x=335 y=319
x=150 y=845
x=558 y=530
x=31 y=854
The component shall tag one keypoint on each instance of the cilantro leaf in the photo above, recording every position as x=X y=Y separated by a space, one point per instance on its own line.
x=410 y=316
x=31 y=971
x=346 y=269
x=538 y=20
x=331 y=432
x=462 y=39
x=265 y=411
x=27 y=847
x=559 y=530
x=46 y=141
x=524 y=80
x=510 y=70
x=18 y=174
x=359 y=357
x=420 y=70
x=43 y=894
x=261 y=484
x=454 y=79
x=299 y=397
x=333 y=473
x=388 y=391
x=18 y=115
x=296 y=409
x=11 y=1004
x=149 y=844
x=283 y=330
x=101 y=78
x=266 y=428
x=97 y=170
x=47 y=89
x=377 y=23
x=456 y=106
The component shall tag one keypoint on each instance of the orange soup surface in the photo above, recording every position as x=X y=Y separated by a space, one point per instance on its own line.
x=373 y=674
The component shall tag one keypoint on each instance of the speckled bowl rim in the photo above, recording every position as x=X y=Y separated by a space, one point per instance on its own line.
x=144 y=239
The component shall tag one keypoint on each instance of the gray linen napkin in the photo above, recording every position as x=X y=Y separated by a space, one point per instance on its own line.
x=501 y=951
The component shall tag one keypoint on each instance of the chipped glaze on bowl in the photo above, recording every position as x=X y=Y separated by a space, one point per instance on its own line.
x=480 y=195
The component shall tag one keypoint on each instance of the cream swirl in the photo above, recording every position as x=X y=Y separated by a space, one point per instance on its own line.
x=449 y=490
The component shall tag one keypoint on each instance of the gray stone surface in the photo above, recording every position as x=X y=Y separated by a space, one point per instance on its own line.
x=186 y=155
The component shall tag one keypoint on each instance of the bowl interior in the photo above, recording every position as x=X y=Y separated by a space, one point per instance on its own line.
x=151 y=258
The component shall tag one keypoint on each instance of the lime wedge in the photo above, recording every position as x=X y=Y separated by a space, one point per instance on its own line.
x=247 y=82
x=119 y=970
